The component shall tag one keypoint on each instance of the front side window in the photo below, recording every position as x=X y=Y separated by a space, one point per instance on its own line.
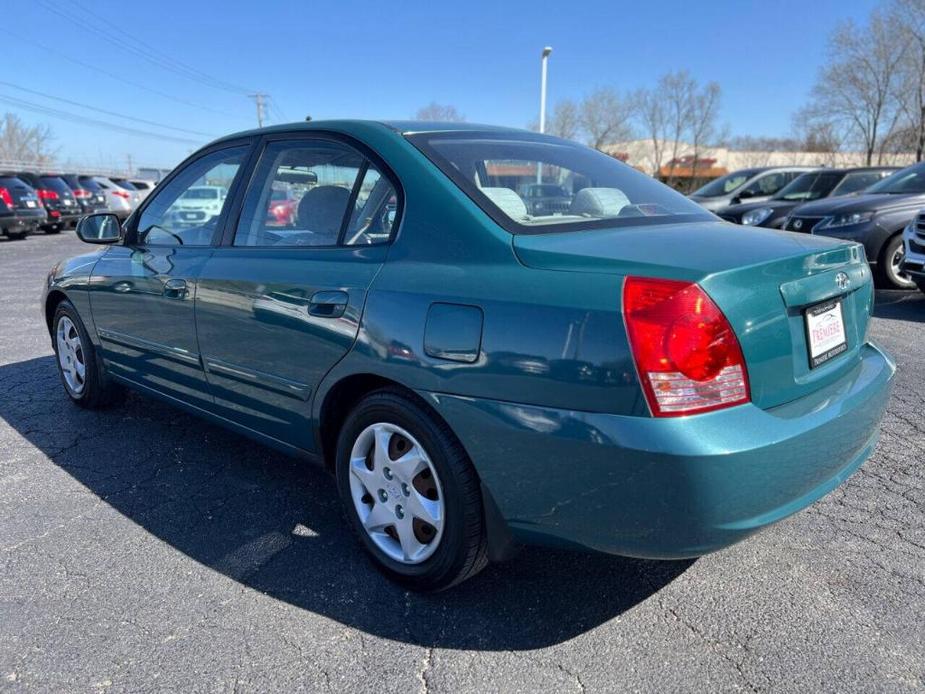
x=580 y=188
x=315 y=192
x=185 y=211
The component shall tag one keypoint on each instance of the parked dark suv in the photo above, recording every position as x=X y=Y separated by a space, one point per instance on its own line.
x=807 y=187
x=20 y=209
x=875 y=218
x=58 y=199
x=90 y=196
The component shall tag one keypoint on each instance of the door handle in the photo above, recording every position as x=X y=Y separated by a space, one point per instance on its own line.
x=176 y=288
x=328 y=304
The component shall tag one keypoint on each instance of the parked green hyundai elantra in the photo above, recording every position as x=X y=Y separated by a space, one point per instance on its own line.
x=622 y=372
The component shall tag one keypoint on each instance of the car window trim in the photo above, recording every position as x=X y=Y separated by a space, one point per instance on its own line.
x=368 y=153
x=131 y=228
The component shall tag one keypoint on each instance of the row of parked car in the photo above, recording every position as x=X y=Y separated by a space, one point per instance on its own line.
x=875 y=206
x=32 y=201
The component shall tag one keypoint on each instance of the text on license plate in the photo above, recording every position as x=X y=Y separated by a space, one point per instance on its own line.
x=31 y=203
x=825 y=331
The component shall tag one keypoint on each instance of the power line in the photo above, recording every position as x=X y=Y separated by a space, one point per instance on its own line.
x=104 y=111
x=113 y=75
x=74 y=117
x=149 y=55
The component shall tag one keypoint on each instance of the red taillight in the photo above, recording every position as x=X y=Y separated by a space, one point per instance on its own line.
x=45 y=194
x=121 y=194
x=6 y=197
x=687 y=355
x=81 y=193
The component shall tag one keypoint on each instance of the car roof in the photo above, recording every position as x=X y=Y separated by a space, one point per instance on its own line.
x=404 y=127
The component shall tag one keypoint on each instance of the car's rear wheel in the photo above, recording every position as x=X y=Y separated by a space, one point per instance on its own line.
x=17 y=235
x=889 y=266
x=81 y=372
x=53 y=230
x=410 y=492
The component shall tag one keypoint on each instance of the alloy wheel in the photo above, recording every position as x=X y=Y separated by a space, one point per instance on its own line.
x=900 y=277
x=71 y=355
x=396 y=493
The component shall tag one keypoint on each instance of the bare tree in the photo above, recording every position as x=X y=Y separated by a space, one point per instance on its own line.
x=652 y=113
x=20 y=142
x=908 y=17
x=605 y=118
x=439 y=112
x=676 y=88
x=817 y=132
x=704 y=112
x=856 y=88
x=565 y=121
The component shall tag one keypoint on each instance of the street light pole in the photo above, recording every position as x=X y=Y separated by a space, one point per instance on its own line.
x=543 y=60
x=546 y=52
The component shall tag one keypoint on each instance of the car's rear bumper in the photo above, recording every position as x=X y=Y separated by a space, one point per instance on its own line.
x=672 y=487
x=21 y=223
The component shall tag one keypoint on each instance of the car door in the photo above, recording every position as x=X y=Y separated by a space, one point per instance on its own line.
x=143 y=291
x=279 y=303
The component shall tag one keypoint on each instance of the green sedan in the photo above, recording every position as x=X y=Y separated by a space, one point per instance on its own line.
x=622 y=372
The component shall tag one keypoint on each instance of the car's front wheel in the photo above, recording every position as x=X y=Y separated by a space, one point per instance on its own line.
x=78 y=365
x=410 y=492
x=889 y=266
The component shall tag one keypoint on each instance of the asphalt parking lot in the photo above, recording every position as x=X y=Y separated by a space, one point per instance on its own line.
x=144 y=550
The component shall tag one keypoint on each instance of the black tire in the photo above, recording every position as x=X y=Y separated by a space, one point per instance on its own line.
x=17 y=236
x=887 y=275
x=462 y=549
x=53 y=230
x=98 y=390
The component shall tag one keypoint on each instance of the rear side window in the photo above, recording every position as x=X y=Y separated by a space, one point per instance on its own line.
x=315 y=192
x=500 y=171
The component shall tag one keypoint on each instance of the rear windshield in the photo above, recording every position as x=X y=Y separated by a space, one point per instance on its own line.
x=908 y=180
x=496 y=170
x=125 y=185
x=55 y=183
x=12 y=182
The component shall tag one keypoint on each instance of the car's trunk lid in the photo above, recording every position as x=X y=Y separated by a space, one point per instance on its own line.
x=762 y=280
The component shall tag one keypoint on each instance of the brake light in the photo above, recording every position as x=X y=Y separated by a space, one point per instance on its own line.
x=81 y=193
x=686 y=352
x=6 y=197
x=121 y=194
x=45 y=194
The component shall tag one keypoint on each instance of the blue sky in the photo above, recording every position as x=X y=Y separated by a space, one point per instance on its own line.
x=385 y=60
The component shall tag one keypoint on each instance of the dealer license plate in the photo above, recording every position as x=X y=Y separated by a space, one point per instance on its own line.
x=825 y=331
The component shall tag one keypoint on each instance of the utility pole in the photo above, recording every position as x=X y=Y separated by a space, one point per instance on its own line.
x=260 y=100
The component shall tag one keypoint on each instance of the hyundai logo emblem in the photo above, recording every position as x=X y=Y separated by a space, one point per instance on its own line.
x=798 y=224
x=842 y=280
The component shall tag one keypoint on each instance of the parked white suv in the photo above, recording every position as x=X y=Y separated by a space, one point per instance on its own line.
x=914 y=240
x=198 y=206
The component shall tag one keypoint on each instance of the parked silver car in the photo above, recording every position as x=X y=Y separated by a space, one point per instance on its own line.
x=118 y=199
x=144 y=188
x=746 y=185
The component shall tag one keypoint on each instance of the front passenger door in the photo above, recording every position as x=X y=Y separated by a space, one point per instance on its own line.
x=142 y=292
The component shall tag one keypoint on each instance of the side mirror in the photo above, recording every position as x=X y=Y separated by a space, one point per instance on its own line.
x=747 y=193
x=99 y=228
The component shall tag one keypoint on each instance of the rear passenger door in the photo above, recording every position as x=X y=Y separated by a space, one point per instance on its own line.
x=279 y=303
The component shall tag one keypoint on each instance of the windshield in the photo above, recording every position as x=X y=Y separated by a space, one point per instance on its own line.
x=908 y=180
x=725 y=184
x=200 y=194
x=593 y=189
x=809 y=186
